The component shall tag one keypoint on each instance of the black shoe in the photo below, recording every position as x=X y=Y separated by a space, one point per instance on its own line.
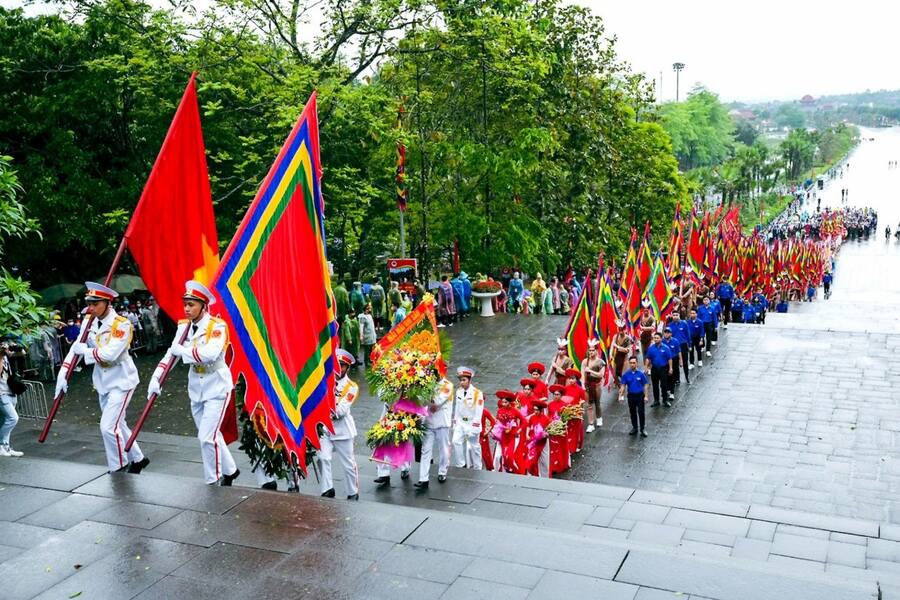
x=655 y=404
x=421 y=485
x=135 y=468
x=228 y=479
x=293 y=488
x=328 y=493
x=353 y=497
x=269 y=485
x=442 y=478
x=383 y=479
x=643 y=433
x=404 y=474
x=632 y=432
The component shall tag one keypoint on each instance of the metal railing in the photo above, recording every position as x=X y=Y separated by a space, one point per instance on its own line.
x=32 y=404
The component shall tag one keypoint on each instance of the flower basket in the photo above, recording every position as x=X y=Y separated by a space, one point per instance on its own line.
x=569 y=413
x=486 y=287
x=557 y=428
x=393 y=437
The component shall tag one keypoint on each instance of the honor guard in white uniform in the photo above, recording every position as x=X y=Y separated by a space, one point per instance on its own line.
x=114 y=377
x=209 y=379
x=467 y=410
x=340 y=442
x=440 y=411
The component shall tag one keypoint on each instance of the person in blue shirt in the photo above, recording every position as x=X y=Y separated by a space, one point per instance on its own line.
x=749 y=314
x=516 y=289
x=705 y=313
x=717 y=315
x=681 y=333
x=674 y=347
x=826 y=283
x=810 y=292
x=725 y=292
x=737 y=310
x=696 y=329
x=634 y=383
x=467 y=291
x=762 y=305
x=782 y=306
x=658 y=362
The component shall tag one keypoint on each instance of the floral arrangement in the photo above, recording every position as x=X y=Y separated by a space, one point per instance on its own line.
x=486 y=287
x=409 y=372
x=394 y=429
x=571 y=412
x=556 y=428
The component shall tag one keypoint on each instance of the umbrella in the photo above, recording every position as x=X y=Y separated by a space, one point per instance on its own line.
x=128 y=284
x=60 y=291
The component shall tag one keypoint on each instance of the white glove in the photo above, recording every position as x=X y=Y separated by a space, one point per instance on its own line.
x=178 y=350
x=153 y=388
x=80 y=348
x=61 y=385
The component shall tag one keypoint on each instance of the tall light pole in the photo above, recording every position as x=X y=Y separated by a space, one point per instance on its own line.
x=677 y=67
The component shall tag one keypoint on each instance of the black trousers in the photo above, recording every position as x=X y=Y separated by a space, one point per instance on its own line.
x=684 y=362
x=726 y=308
x=659 y=377
x=710 y=332
x=675 y=377
x=696 y=349
x=636 y=410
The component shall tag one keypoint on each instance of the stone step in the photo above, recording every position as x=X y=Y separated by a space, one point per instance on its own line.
x=760 y=535
x=83 y=514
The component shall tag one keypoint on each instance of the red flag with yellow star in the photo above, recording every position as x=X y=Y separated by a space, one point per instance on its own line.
x=172 y=233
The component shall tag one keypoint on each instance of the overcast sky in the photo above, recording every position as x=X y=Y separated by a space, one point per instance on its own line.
x=750 y=51
x=764 y=49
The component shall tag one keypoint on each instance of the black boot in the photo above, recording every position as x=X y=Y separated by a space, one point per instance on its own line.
x=228 y=479
x=328 y=493
x=383 y=479
x=353 y=497
x=421 y=485
x=135 y=468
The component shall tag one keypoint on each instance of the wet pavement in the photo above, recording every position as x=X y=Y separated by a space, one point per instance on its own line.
x=779 y=467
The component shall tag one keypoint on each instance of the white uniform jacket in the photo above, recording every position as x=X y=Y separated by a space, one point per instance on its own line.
x=443 y=400
x=345 y=392
x=108 y=344
x=207 y=340
x=469 y=407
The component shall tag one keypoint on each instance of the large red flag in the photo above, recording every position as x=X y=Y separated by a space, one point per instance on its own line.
x=172 y=234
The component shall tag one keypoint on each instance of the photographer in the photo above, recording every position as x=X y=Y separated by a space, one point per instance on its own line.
x=10 y=387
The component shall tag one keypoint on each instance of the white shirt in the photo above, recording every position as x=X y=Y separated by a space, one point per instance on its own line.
x=108 y=344
x=469 y=407
x=207 y=340
x=345 y=392
x=443 y=399
x=5 y=372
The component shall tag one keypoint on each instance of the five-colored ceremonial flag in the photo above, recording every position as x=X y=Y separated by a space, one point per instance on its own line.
x=581 y=326
x=172 y=234
x=276 y=263
x=659 y=290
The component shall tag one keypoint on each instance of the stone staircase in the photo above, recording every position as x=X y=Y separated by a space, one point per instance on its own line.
x=481 y=534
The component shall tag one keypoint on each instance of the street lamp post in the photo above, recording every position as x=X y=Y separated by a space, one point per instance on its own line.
x=677 y=67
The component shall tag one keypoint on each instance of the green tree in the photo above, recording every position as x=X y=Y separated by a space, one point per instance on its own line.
x=701 y=129
x=19 y=310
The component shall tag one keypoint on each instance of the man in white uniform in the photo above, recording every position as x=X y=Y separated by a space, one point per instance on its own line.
x=209 y=379
x=468 y=408
x=341 y=441
x=440 y=411
x=114 y=377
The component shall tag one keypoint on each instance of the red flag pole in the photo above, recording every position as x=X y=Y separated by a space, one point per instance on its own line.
x=152 y=399
x=54 y=408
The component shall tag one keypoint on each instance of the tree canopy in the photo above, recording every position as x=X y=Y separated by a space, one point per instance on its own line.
x=530 y=143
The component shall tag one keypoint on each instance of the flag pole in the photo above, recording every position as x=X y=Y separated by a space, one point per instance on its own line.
x=54 y=408
x=152 y=399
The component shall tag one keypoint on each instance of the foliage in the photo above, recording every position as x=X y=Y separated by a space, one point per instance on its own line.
x=701 y=129
x=530 y=144
x=19 y=309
